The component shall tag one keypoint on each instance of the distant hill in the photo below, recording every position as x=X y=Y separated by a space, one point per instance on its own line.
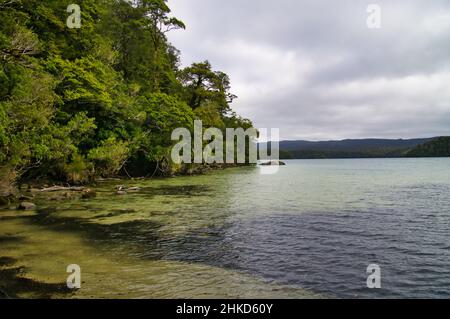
x=439 y=147
x=364 y=148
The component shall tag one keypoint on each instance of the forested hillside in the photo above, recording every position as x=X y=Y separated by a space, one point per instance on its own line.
x=439 y=147
x=102 y=99
x=362 y=148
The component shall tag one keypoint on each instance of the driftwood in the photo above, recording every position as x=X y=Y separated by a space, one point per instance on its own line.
x=61 y=188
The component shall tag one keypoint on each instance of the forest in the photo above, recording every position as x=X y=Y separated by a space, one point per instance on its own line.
x=366 y=148
x=438 y=147
x=101 y=100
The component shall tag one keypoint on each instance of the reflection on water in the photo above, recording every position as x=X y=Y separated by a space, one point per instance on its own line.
x=310 y=230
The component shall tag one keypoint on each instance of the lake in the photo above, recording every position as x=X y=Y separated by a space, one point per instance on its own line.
x=309 y=231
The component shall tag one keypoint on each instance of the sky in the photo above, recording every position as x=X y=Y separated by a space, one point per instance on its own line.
x=315 y=70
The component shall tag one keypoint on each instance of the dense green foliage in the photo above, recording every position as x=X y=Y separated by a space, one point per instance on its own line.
x=439 y=147
x=80 y=103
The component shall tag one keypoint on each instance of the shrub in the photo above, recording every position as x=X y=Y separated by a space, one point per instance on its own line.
x=110 y=157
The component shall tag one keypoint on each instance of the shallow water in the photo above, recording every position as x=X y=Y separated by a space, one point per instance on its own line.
x=309 y=231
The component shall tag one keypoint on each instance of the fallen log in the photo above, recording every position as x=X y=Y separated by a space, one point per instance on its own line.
x=62 y=188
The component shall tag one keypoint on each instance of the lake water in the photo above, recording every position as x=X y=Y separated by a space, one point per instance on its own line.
x=311 y=230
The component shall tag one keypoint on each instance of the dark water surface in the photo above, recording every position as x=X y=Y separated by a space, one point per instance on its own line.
x=310 y=230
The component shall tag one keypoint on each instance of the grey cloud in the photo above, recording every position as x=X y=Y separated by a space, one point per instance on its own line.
x=313 y=69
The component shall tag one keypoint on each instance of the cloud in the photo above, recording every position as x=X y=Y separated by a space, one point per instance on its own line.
x=313 y=69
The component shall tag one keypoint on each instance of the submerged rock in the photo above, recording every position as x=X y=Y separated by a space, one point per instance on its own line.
x=88 y=194
x=273 y=163
x=26 y=206
x=15 y=284
x=7 y=197
x=4 y=200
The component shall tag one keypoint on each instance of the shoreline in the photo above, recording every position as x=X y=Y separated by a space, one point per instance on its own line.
x=26 y=190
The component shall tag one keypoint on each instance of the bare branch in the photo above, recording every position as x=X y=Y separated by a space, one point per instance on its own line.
x=6 y=3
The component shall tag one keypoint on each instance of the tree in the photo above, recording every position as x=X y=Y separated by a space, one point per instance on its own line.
x=145 y=55
x=202 y=84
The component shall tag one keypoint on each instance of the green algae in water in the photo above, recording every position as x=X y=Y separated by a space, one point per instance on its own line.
x=238 y=234
x=110 y=273
x=120 y=243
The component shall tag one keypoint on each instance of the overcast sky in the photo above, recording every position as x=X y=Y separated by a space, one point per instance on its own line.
x=315 y=70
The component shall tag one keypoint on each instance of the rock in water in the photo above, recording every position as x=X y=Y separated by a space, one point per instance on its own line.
x=273 y=163
x=26 y=206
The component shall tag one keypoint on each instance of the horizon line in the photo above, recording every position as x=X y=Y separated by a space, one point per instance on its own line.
x=358 y=139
